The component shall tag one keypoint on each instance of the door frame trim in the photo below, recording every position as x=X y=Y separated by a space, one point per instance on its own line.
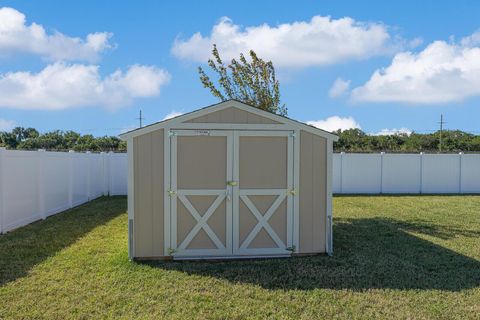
x=170 y=148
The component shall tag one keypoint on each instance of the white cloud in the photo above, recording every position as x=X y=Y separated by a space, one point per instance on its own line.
x=172 y=114
x=334 y=123
x=389 y=132
x=61 y=86
x=339 y=88
x=320 y=41
x=441 y=73
x=7 y=125
x=18 y=37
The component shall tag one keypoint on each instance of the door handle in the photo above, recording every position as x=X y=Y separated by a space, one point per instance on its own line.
x=232 y=183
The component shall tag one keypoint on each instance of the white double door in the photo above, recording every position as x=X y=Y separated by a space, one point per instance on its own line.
x=231 y=192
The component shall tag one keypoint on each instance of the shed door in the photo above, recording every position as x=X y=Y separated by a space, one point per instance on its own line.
x=232 y=192
x=201 y=205
x=263 y=192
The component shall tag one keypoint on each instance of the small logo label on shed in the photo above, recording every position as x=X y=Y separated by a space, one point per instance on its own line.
x=202 y=133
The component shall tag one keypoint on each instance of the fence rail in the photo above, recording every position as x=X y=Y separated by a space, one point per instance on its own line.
x=38 y=184
x=406 y=173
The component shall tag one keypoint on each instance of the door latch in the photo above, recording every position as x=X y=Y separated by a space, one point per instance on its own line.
x=171 y=251
x=171 y=193
x=232 y=183
x=292 y=249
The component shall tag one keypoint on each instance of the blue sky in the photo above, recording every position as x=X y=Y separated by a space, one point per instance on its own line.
x=397 y=65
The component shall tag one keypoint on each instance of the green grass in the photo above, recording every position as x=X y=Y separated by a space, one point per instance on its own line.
x=395 y=257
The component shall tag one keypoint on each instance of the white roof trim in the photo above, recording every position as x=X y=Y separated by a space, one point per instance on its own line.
x=178 y=121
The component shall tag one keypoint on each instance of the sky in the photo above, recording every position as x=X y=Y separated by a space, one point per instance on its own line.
x=382 y=66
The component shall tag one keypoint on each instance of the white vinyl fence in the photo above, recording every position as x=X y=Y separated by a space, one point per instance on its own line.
x=38 y=184
x=406 y=173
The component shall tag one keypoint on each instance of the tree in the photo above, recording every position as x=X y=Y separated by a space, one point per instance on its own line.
x=252 y=82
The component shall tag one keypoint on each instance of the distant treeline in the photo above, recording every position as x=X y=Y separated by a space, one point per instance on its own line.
x=30 y=139
x=353 y=140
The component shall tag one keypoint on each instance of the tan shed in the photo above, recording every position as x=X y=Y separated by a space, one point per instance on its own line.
x=229 y=180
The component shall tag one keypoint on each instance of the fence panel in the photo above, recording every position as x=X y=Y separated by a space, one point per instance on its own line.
x=470 y=173
x=96 y=175
x=20 y=200
x=360 y=173
x=401 y=173
x=79 y=178
x=337 y=173
x=118 y=167
x=54 y=175
x=441 y=173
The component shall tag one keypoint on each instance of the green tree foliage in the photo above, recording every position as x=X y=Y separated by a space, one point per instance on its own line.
x=355 y=140
x=30 y=139
x=250 y=81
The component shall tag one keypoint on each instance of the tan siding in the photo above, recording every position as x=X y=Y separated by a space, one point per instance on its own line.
x=232 y=115
x=148 y=172
x=158 y=193
x=312 y=193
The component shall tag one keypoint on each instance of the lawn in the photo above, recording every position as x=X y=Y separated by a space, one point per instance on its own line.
x=395 y=257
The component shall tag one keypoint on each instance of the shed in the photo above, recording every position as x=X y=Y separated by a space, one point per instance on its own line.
x=229 y=180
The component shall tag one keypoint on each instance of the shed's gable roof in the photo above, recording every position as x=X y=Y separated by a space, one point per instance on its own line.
x=231 y=112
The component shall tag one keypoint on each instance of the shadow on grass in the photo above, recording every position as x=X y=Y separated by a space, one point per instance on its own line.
x=23 y=248
x=369 y=254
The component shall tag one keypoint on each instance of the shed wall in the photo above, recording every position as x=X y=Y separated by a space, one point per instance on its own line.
x=312 y=193
x=149 y=194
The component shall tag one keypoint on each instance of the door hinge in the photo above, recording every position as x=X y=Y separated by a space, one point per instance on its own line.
x=171 y=193
x=292 y=249
x=171 y=251
x=292 y=134
x=292 y=192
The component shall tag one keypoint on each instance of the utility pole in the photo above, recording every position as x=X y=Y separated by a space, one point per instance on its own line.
x=140 y=118
x=441 y=130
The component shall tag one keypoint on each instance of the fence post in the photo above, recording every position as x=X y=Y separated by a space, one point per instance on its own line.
x=381 y=171
x=89 y=179
x=3 y=198
x=341 y=171
x=71 y=154
x=41 y=182
x=460 y=159
x=421 y=173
